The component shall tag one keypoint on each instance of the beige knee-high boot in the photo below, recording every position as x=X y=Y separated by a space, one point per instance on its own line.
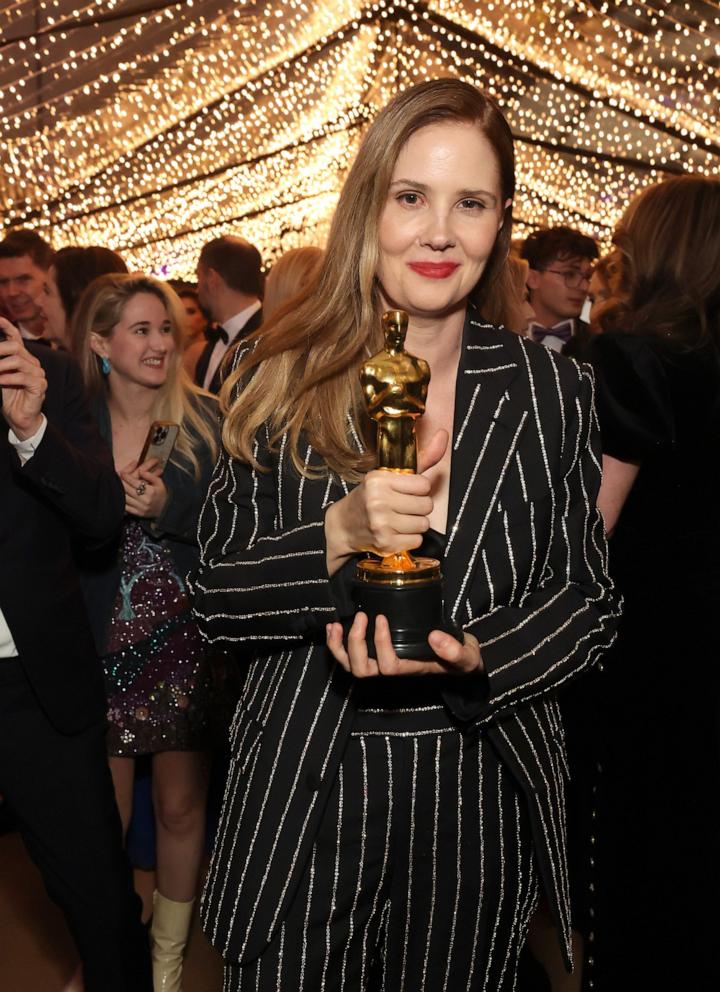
x=168 y=937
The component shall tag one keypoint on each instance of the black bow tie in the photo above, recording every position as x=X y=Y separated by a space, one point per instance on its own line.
x=563 y=331
x=217 y=333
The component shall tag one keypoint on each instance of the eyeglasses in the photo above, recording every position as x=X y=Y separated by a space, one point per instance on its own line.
x=573 y=278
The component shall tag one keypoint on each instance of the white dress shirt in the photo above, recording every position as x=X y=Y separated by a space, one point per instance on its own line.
x=25 y=449
x=232 y=327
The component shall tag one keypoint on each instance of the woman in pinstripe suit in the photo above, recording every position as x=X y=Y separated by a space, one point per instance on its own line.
x=386 y=823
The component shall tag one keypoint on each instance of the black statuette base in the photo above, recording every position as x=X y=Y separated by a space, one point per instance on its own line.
x=412 y=612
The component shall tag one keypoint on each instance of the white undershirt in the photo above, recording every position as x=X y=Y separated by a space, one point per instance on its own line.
x=25 y=450
x=233 y=326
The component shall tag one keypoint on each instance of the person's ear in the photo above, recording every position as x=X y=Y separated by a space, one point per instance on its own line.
x=99 y=345
x=213 y=280
x=506 y=207
x=533 y=279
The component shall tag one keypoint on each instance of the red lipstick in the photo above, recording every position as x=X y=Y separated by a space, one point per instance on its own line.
x=434 y=270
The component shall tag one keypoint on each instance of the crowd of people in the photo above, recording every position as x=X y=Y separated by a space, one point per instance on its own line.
x=189 y=479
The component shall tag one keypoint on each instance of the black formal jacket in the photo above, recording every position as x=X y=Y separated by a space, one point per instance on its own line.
x=525 y=572
x=67 y=492
x=204 y=360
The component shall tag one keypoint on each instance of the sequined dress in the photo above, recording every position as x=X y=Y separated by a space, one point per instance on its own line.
x=157 y=681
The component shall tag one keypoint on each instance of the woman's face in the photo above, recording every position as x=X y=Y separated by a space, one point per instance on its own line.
x=441 y=218
x=141 y=343
x=52 y=307
x=196 y=322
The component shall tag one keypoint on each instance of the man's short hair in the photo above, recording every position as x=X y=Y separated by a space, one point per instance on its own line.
x=237 y=262
x=543 y=247
x=27 y=242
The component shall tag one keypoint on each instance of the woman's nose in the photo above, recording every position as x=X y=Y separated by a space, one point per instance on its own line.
x=438 y=233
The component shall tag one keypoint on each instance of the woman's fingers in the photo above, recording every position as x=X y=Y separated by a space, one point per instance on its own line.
x=355 y=658
x=416 y=506
x=388 y=662
x=381 y=484
x=457 y=658
x=149 y=477
x=397 y=508
x=334 y=639
x=433 y=453
x=149 y=465
x=361 y=664
x=130 y=485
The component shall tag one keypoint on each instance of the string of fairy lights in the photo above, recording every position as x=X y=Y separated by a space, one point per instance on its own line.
x=152 y=127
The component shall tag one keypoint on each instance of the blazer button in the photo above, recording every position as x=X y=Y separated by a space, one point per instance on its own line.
x=312 y=782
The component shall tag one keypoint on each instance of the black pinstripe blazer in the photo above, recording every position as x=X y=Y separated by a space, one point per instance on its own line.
x=525 y=571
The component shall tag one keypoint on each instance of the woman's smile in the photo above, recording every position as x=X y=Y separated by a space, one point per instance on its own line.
x=434 y=270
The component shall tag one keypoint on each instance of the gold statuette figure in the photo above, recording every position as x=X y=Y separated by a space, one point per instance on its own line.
x=405 y=589
x=395 y=386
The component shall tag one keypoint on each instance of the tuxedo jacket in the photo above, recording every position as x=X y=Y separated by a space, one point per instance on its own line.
x=67 y=492
x=525 y=571
x=204 y=360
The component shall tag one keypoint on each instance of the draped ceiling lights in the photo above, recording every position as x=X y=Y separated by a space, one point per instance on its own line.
x=153 y=127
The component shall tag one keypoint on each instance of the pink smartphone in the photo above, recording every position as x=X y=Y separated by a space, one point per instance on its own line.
x=159 y=443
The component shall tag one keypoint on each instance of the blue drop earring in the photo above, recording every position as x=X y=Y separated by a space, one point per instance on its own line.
x=105 y=365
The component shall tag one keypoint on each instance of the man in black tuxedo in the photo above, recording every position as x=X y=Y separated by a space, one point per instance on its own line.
x=561 y=263
x=59 y=486
x=230 y=283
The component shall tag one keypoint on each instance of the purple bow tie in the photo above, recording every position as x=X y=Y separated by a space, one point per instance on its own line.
x=563 y=331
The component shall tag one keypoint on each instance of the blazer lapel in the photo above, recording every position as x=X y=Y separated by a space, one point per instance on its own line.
x=488 y=423
x=203 y=362
x=219 y=376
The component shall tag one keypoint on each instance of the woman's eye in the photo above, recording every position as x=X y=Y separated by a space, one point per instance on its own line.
x=411 y=199
x=472 y=204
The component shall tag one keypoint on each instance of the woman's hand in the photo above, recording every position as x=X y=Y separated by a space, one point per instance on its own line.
x=386 y=513
x=22 y=383
x=455 y=658
x=145 y=492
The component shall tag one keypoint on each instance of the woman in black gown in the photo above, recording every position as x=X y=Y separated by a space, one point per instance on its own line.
x=659 y=406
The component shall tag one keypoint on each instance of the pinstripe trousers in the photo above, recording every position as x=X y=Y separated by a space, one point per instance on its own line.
x=422 y=875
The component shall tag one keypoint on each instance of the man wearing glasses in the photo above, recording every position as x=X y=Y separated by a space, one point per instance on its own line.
x=561 y=263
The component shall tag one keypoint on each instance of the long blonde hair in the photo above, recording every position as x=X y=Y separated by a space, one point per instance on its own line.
x=289 y=276
x=305 y=361
x=98 y=312
x=668 y=243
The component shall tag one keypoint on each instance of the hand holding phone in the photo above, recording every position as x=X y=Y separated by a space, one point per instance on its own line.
x=22 y=383
x=145 y=491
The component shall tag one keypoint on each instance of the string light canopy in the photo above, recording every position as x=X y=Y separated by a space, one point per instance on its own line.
x=153 y=127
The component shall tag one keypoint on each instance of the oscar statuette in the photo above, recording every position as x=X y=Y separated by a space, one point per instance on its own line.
x=405 y=589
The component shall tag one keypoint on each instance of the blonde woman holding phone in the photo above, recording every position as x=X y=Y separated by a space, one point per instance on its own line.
x=127 y=335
